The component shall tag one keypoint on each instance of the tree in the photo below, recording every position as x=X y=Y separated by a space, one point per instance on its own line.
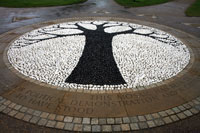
x=97 y=65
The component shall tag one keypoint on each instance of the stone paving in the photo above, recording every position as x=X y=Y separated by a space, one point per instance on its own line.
x=172 y=105
x=102 y=124
x=39 y=104
x=170 y=14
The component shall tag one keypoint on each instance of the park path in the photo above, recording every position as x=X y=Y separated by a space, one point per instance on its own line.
x=170 y=14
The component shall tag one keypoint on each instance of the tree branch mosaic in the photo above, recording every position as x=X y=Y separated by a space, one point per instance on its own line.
x=98 y=55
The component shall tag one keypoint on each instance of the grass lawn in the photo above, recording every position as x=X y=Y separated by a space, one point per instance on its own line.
x=37 y=3
x=194 y=9
x=138 y=3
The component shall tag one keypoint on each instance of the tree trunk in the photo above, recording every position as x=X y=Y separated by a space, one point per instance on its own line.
x=97 y=65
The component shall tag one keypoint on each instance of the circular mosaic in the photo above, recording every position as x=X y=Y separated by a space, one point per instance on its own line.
x=98 y=55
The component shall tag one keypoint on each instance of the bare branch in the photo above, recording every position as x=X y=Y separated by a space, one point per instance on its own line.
x=112 y=25
x=81 y=28
x=104 y=23
x=164 y=40
x=124 y=32
x=56 y=35
x=51 y=35
x=59 y=35
x=65 y=27
x=39 y=40
x=33 y=41
x=147 y=35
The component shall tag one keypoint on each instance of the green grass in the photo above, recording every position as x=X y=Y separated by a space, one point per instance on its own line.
x=194 y=9
x=37 y=3
x=138 y=3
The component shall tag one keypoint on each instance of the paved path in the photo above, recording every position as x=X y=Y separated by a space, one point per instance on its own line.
x=9 y=125
x=170 y=14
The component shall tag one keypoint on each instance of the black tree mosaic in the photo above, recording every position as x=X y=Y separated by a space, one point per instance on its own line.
x=97 y=65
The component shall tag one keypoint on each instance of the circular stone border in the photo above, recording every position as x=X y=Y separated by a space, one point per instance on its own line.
x=175 y=112
x=176 y=52
x=9 y=65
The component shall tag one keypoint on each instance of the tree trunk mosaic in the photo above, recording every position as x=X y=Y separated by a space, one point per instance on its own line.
x=98 y=55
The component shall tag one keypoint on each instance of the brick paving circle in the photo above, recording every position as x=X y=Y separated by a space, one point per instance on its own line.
x=101 y=111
